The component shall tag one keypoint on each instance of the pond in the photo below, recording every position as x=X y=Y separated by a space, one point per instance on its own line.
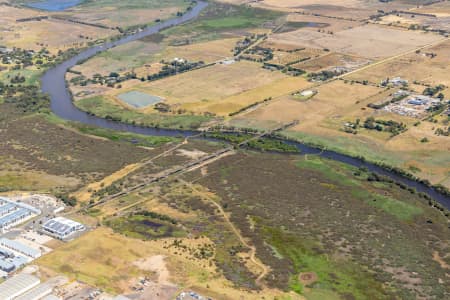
x=54 y=5
x=138 y=99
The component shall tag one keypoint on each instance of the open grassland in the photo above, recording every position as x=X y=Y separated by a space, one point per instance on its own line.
x=219 y=20
x=206 y=51
x=35 y=158
x=330 y=99
x=109 y=108
x=344 y=9
x=370 y=41
x=189 y=263
x=222 y=89
x=212 y=83
x=52 y=34
x=119 y=59
x=332 y=60
x=429 y=161
x=144 y=56
x=440 y=9
x=15 y=176
x=124 y=14
x=413 y=67
x=31 y=75
x=323 y=117
x=283 y=57
x=100 y=258
x=312 y=215
x=316 y=22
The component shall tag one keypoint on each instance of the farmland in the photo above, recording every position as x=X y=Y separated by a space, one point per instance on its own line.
x=219 y=89
x=233 y=210
x=323 y=116
x=50 y=33
x=369 y=41
x=415 y=67
x=319 y=45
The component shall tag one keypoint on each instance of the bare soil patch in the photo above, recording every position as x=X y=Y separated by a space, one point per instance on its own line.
x=307 y=278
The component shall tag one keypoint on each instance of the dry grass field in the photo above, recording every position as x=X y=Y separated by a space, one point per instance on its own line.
x=441 y=9
x=370 y=41
x=438 y=21
x=323 y=116
x=343 y=9
x=413 y=67
x=114 y=16
x=120 y=59
x=208 y=52
x=328 y=24
x=53 y=34
x=144 y=56
x=283 y=57
x=221 y=89
x=331 y=60
x=331 y=99
x=123 y=14
x=114 y=262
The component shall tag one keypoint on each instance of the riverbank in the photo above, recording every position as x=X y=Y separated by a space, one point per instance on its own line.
x=53 y=83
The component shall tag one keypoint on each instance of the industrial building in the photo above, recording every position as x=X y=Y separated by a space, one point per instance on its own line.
x=37 y=292
x=20 y=248
x=61 y=228
x=17 y=285
x=51 y=297
x=14 y=255
x=13 y=213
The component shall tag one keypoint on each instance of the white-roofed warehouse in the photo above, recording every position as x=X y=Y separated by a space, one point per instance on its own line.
x=17 y=285
x=61 y=228
x=13 y=213
x=20 y=248
x=37 y=292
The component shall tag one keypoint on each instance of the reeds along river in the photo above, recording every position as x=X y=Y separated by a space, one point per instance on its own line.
x=53 y=83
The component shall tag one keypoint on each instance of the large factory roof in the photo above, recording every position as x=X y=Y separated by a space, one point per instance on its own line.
x=17 y=215
x=19 y=247
x=62 y=226
x=37 y=293
x=17 y=285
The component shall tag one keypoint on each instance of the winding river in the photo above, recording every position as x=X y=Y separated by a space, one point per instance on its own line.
x=53 y=83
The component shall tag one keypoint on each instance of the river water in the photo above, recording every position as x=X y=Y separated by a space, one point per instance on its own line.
x=53 y=83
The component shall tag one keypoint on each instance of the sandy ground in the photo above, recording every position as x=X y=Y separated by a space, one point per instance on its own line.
x=161 y=288
x=192 y=154
x=155 y=264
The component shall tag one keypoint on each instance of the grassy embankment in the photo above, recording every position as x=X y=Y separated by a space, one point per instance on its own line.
x=263 y=144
